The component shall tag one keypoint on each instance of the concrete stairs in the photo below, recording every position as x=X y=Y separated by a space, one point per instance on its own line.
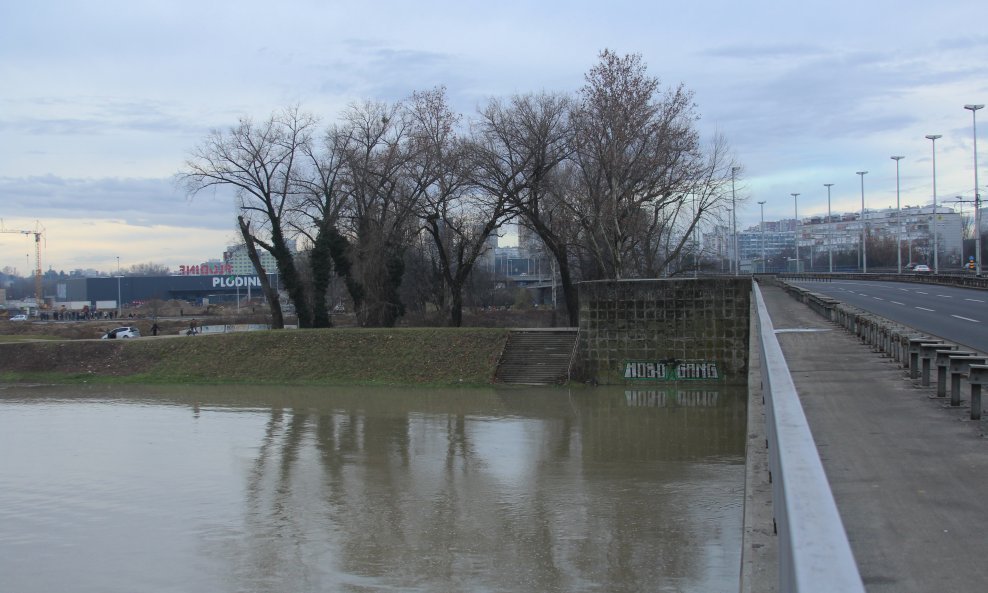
x=537 y=356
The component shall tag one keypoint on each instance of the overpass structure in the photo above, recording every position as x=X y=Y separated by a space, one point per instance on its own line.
x=907 y=469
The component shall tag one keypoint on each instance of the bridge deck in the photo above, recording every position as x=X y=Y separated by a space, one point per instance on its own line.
x=909 y=475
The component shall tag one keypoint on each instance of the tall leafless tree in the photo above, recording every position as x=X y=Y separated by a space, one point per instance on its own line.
x=382 y=205
x=635 y=149
x=520 y=146
x=324 y=195
x=458 y=216
x=259 y=161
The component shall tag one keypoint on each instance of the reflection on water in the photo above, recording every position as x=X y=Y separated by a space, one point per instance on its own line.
x=357 y=489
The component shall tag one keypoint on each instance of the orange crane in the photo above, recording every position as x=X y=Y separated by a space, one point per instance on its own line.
x=37 y=232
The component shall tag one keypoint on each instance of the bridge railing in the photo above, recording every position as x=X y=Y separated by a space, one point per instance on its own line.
x=961 y=280
x=814 y=553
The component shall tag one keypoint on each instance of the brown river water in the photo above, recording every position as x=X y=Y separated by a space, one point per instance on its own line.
x=297 y=489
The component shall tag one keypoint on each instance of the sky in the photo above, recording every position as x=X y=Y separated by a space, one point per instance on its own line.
x=101 y=102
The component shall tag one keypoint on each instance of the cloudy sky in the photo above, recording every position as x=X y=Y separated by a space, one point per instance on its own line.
x=101 y=101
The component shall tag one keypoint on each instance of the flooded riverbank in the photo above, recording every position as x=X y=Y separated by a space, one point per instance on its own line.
x=358 y=489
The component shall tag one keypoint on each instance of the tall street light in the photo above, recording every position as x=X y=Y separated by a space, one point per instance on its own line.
x=119 y=304
x=898 y=217
x=960 y=204
x=936 y=246
x=977 y=194
x=830 y=235
x=735 y=258
x=864 y=242
x=795 y=230
x=762 y=205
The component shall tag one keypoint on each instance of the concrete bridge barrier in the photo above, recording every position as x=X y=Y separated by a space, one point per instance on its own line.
x=813 y=550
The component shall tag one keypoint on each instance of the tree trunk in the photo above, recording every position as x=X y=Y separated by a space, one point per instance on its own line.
x=289 y=277
x=456 y=305
x=321 y=263
x=277 y=319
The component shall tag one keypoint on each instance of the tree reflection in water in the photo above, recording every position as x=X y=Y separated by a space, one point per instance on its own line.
x=347 y=489
x=478 y=490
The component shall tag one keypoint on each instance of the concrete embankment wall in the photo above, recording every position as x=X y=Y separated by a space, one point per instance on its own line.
x=702 y=320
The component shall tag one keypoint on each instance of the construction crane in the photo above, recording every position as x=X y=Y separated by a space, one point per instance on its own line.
x=37 y=232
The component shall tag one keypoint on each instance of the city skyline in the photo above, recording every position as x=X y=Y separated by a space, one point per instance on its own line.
x=102 y=103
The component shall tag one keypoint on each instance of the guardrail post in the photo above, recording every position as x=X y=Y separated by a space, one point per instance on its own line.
x=976 y=375
x=915 y=343
x=942 y=359
x=927 y=353
x=960 y=365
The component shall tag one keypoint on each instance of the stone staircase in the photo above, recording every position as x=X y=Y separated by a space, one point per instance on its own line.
x=537 y=356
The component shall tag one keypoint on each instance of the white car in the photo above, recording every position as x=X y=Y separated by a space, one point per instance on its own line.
x=921 y=268
x=122 y=332
x=19 y=318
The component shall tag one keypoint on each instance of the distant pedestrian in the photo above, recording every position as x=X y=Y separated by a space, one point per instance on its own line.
x=193 y=327
x=154 y=329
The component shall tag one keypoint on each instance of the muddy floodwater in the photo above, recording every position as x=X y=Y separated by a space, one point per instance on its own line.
x=288 y=489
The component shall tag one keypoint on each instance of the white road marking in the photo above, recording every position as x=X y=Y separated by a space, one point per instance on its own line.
x=925 y=309
x=974 y=300
x=897 y=303
x=920 y=292
x=966 y=319
x=946 y=296
x=878 y=298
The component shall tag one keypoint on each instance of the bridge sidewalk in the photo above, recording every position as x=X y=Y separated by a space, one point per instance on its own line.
x=910 y=476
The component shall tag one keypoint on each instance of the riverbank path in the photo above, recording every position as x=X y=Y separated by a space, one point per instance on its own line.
x=909 y=473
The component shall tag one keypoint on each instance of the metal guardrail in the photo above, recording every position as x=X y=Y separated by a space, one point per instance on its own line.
x=814 y=553
x=961 y=280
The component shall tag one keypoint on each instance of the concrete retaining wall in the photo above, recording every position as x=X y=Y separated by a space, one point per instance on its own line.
x=663 y=320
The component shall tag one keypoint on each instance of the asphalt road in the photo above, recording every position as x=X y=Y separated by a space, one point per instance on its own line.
x=958 y=315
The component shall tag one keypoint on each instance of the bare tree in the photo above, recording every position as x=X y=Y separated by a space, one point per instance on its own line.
x=635 y=152
x=674 y=223
x=382 y=206
x=324 y=196
x=458 y=216
x=520 y=146
x=259 y=161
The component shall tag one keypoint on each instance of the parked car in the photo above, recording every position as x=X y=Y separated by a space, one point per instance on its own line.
x=122 y=332
x=921 y=268
x=21 y=317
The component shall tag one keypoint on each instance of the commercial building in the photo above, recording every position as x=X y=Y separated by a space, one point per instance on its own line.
x=108 y=292
x=842 y=233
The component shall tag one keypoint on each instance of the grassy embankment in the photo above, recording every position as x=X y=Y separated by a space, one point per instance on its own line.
x=406 y=356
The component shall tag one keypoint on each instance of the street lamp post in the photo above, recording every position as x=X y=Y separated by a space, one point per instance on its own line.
x=936 y=246
x=864 y=242
x=762 y=205
x=977 y=193
x=795 y=230
x=960 y=206
x=119 y=304
x=898 y=217
x=735 y=256
x=830 y=234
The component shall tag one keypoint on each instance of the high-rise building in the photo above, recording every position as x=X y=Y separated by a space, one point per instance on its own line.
x=236 y=256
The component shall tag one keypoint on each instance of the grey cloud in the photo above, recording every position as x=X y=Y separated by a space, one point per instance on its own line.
x=376 y=71
x=768 y=51
x=102 y=116
x=139 y=202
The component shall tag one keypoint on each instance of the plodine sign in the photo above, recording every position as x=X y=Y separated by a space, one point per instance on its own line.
x=236 y=281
